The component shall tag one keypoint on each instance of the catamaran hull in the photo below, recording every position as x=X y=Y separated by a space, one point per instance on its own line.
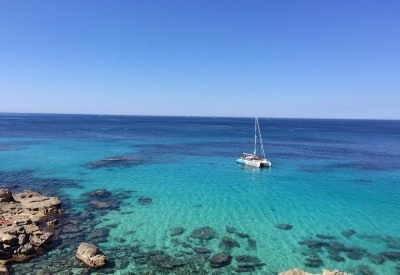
x=258 y=164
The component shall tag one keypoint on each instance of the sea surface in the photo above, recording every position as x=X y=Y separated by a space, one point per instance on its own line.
x=335 y=184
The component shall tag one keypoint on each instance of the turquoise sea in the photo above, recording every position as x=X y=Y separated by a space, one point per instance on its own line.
x=335 y=182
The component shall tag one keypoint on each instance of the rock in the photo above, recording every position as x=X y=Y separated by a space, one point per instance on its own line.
x=314 y=262
x=99 y=233
x=220 y=260
x=203 y=233
x=284 y=226
x=91 y=255
x=145 y=200
x=355 y=253
x=120 y=240
x=242 y=235
x=252 y=244
x=326 y=237
x=392 y=255
x=3 y=270
x=230 y=229
x=176 y=231
x=101 y=193
x=39 y=240
x=5 y=255
x=52 y=223
x=348 y=233
x=228 y=243
x=333 y=272
x=336 y=257
x=295 y=271
x=100 y=205
x=202 y=250
x=364 y=270
x=311 y=243
x=376 y=259
x=27 y=249
x=336 y=247
x=247 y=259
x=22 y=239
x=20 y=234
x=46 y=237
x=166 y=262
x=6 y=195
x=9 y=239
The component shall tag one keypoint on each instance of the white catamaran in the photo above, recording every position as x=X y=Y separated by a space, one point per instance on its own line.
x=253 y=159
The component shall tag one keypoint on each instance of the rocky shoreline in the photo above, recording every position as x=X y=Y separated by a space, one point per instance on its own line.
x=26 y=222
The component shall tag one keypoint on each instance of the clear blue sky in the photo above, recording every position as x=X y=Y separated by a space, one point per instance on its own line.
x=329 y=59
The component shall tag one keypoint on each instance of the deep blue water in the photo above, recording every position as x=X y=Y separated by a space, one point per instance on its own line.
x=327 y=177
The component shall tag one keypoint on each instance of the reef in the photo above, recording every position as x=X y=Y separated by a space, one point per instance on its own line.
x=117 y=161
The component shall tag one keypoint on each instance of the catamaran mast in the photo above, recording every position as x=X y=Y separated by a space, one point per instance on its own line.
x=262 y=145
x=255 y=136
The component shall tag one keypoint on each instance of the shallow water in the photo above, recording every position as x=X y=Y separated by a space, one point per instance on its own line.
x=328 y=176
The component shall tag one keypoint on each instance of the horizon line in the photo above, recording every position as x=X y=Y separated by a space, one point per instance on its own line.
x=195 y=116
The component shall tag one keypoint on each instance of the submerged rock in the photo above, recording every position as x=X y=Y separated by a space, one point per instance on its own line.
x=116 y=161
x=101 y=193
x=355 y=253
x=99 y=234
x=91 y=255
x=376 y=259
x=326 y=237
x=145 y=200
x=165 y=262
x=364 y=270
x=100 y=204
x=176 y=231
x=242 y=235
x=228 y=243
x=220 y=260
x=392 y=255
x=203 y=233
x=297 y=271
x=252 y=244
x=348 y=233
x=336 y=258
x=202 y=250
x=247 y=259
x=231 y=229
x=314 y=262
x=284 y=226
x=311 y=243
